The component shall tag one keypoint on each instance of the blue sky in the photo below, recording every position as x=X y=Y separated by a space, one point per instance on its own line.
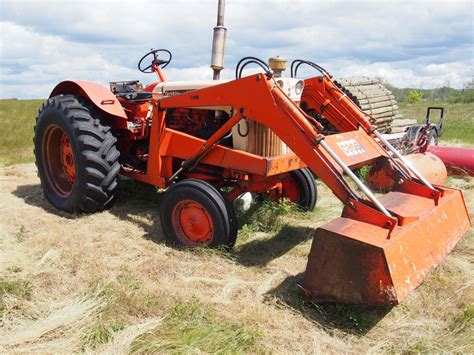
x=420 y=44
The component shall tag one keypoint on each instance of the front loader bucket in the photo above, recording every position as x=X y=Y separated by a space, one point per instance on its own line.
x=359 y=263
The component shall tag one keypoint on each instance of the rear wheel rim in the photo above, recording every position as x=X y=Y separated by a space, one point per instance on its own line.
x=192 y=223
x=58 y=160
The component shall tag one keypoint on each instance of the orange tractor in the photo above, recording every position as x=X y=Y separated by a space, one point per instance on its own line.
x=209 y=142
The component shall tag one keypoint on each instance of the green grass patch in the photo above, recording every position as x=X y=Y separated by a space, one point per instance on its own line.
x=264 y=216
x=15 y=288
x=102 y=332
x=465 y=319
x=353 y=319
x=138 y=193
x=192 y=327
x=419 y=347
x=21 y=234
x=126 y=301
x=17 y=118
x=363 y=172
x=468 y=315
x=458 y=123
x=187 y=326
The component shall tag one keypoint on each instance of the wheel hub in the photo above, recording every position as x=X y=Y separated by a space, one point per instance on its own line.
x=194 y=224
x=67 y=159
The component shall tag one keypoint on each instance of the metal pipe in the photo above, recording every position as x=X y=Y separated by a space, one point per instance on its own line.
x=218 y=42
x=354 y=178
x=458 y=161
x=402 y=159
x=220 y=12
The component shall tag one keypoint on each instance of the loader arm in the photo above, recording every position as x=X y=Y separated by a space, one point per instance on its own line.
x=258 y=98
x=379 y=249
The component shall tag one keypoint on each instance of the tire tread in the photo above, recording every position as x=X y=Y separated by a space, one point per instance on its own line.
x=97 y=156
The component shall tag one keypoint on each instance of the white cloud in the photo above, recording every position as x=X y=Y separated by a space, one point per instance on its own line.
x=449 y=74
x=416 y=43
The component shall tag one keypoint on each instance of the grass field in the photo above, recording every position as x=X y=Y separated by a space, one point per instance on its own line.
x=107 y=282
x=17 y=118
x=16 y=136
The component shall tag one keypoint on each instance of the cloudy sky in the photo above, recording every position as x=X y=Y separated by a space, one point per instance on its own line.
x=407 y=43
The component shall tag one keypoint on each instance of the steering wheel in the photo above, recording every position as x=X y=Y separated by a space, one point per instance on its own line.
x=155 y=61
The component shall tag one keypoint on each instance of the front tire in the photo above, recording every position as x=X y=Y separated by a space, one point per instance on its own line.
x=76 y=156
x=194 y=213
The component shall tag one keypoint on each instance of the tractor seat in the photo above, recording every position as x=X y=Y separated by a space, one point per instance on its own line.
x=136 y=96
x=130 y=90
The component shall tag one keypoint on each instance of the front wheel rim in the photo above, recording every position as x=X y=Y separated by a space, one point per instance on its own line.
x=192 y=223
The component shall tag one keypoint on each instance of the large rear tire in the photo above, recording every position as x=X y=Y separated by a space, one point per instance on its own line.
x=194 y=213
x=76 y=156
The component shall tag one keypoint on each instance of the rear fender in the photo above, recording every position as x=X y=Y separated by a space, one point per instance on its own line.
x=99 y=96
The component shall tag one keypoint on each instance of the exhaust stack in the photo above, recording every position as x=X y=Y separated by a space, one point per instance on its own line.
x=218 y=42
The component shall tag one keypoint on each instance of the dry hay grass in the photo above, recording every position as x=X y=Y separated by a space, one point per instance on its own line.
x=107 y=283
x=121 y=342
x=60 y=329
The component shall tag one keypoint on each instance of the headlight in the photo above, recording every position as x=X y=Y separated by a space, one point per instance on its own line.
x=299 y=87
